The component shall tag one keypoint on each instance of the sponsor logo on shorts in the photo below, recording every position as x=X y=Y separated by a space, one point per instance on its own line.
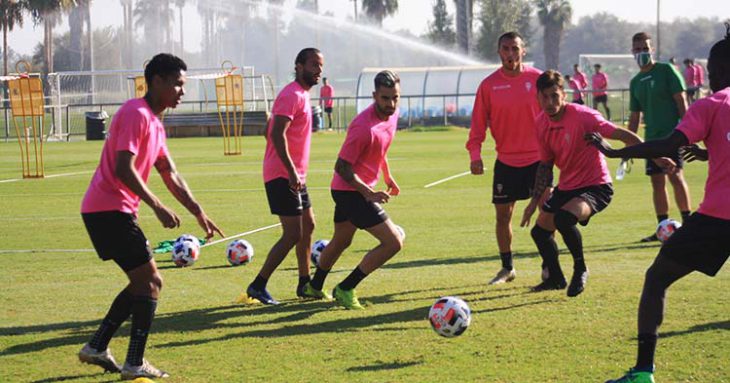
x=499 y=188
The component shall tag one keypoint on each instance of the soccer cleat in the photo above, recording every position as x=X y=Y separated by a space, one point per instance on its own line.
x=146 y=370
x=103 y=359
x=309 y=292
x=633 y=376
x=550 y=285
x=503 y=276
x=262 y=296
x=577 y=283
x=347 y=298
x=650 y=238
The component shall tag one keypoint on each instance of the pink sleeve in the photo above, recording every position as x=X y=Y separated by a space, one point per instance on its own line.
x=594 y=122
x=129 y=131
x=693 y=124
x=479 y=118
x=356 y=142
x=286 y=105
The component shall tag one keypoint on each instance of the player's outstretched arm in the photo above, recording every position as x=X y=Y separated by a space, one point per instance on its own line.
x=127 y=173
x=651 y=149
x=180 y=190
x=543 y=182
x=344 y=170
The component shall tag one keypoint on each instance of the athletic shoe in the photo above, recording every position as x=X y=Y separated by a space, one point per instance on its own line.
x=650 y=238
x=262 y=296
x=309 y=292
x=633 y=376
x=103 y=359
x=550 y=285
x=503 y=276
x=347 y=298
x=146 y=370
x=577 y=283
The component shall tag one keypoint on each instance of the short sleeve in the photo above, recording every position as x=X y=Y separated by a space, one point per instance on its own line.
x=676 y=81
x=695 y=124
x=593 y=121
x=356 y=142
x=286 y=105
x=130 y=128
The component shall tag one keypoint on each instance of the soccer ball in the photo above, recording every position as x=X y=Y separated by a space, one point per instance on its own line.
x=239 y=252
x=666 y=228
x=401 y=232
x=185 y=250
x=449 y=316
x=317 y=249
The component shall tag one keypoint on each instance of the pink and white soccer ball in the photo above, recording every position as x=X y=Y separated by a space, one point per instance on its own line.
x=185 y=250
x=449 y=316
x=239 y=252
x=666 y=228
x=317 y=249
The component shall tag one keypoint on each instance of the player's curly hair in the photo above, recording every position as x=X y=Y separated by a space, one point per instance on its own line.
x=163 y=65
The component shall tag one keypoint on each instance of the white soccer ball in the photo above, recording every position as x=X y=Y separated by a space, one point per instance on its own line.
x=185 y=250
x=401 y=232
x=666 y=228
x=449 y=316
x=317 y=249
x=239 y=252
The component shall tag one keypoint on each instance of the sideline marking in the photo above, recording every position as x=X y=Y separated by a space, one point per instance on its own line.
x=241 y=234
x=49 y=176
x=447 y=179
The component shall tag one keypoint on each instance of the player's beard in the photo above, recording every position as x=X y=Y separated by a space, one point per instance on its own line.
x=384 y=111
x=309 y=79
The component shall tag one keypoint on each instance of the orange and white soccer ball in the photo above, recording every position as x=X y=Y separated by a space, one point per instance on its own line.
x=239 y=252
x=666 y=228
x=449 y=316
x=185 y=250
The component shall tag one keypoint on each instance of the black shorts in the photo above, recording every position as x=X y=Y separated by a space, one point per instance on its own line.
x=352 y=206
x=284 y=201
x=578 y=101
x=691 y=91
x=702 y=244
x=652 y=168
x=511 y=184
x=328 y=109
x=117 y=236
x=597 y=196
x=600 y=99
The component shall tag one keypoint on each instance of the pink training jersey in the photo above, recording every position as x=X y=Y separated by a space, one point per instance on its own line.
x=292 y=103
x=599 y=83
x=581 y=78
x=707 y=120
x=367 y=142
x=136 y=129
x=689 y=76
x=575 y=86
x=509 y=106
x=562 y=143
x=699 y=75
x=325 y=94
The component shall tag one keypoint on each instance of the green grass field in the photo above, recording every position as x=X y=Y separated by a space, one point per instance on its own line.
x=54 y=296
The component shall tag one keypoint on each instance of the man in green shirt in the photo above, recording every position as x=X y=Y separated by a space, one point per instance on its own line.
x=658 y=91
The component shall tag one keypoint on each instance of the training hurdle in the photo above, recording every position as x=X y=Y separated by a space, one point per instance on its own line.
x=27 y=105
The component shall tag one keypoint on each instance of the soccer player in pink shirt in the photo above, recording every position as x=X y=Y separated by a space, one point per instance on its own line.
x=357 y=203
x=580 y=77
x=506 y=102
x=690 y=79
x=703 y=242
x=599 y=83
x=575 y=88
x=584 y=188
x=136 y=142
x=286 y=161
x=326 y=94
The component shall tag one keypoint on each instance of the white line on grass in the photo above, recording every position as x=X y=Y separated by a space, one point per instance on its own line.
x=30 y=251
x=241 y=234
x=49 y=176
x=447 y=179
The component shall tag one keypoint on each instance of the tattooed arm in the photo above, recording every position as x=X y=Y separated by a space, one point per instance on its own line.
x=543 y=183
x=180 y=190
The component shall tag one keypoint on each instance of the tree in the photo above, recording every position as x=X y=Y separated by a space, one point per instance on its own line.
x=497 y=17
x=441 y=30
x=379 y=9
x=180 y=4
x=11 y=15
x=554 y=15
x=155 y=18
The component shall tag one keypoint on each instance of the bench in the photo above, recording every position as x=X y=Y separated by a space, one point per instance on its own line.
x=209 y=125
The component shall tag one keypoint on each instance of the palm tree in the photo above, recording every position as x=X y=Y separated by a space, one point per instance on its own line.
x=48 y=12
x=554 y=15
x=11 y=15
x=180 y=4
x=379 y=9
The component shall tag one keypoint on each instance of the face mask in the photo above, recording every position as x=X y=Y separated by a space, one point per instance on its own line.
x=642 y=58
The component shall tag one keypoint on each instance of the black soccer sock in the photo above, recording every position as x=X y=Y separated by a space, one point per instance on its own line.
x=506 y=260
x=685 y=215
x=645 y=358
x=355 y=277
x=119 y=311
x=319 y=277
x=303 y=281
x=661 y=217
x=259 y=283
x=548 y=251
x=143 y=312
x=565 y=222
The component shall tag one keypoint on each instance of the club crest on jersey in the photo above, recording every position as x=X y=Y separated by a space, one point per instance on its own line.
x=528 y=86
x=567 y=138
